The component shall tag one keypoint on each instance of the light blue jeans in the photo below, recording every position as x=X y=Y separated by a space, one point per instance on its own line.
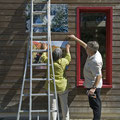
x=63 y=97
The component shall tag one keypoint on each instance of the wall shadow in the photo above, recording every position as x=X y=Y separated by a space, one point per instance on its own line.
x=7 y=57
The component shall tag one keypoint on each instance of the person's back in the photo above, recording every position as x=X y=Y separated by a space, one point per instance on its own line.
x=59 y=68
x=61 y=82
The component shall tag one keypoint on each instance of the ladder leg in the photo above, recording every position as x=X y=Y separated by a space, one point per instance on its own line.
x=55 y=90
x=23 y=83
x=49 y=100
x=50 y=52
x=31 y=37
x=49 y=39
x=38 y=117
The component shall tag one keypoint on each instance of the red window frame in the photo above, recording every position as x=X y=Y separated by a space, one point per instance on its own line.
x=109 y=12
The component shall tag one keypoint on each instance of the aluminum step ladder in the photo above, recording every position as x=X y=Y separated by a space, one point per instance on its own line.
x=30 y=65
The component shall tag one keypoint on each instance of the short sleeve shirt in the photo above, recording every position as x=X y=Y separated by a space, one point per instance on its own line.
x=92 y=69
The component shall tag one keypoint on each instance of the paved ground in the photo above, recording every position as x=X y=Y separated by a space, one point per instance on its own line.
x=25 y=118
x=11 y=118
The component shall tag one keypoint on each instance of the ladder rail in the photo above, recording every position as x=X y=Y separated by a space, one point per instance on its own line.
x=31 y=45
x=56 y=97
x=24 y=76
x=49 y=39
x=49 y=35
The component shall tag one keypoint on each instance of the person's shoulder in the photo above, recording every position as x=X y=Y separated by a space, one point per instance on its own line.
x=63 y=59
x=98 y=58
x=98 y=53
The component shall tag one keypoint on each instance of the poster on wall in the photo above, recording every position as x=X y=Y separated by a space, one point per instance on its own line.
x=59 y=18
x=38 y=45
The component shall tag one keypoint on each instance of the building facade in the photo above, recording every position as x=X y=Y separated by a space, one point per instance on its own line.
x=13 y=46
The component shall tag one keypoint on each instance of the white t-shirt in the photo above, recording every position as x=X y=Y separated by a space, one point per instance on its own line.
x=92 y=69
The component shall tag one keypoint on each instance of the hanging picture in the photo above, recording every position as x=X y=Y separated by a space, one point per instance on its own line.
x=59 y=18
x=38 y=45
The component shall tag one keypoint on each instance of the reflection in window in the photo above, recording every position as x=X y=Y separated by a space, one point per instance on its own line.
x=93 y=28
x=59 y=18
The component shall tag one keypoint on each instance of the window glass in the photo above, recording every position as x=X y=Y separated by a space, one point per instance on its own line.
x=93 y=28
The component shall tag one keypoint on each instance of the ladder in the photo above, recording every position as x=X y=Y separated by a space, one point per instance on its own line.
x=49 y=64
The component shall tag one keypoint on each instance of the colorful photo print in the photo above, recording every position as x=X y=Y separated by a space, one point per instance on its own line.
x=38 y=45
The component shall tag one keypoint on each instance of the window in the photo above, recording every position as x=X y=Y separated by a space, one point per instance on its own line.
x=95 y=23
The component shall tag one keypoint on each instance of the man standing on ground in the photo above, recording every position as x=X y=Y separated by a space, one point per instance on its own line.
x=92 y=75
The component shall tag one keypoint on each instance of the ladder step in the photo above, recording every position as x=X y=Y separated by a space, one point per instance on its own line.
x=37 y=79
x=39 y=37
x=39 y=1
x=42 y=94
x=39 y=12
x=37 y=111
x=39 y=64
x=39 y=50
x=39 y=25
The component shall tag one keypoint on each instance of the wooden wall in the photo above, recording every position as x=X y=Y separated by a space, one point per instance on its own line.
x=13 y=43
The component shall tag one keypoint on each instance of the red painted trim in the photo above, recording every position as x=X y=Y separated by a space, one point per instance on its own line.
x=106 y=86
x=78 y=48
x=108 y=11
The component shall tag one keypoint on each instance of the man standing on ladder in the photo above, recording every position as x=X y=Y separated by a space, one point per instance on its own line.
x=61 y=82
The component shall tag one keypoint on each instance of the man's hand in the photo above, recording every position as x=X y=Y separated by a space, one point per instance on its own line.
x=71 y=37
x=91 y=91
x=82 y=43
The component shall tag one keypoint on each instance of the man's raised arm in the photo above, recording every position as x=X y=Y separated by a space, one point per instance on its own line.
x=83 y=44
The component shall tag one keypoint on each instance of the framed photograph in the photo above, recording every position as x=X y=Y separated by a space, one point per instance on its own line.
x=59 y=18
x=38 y=45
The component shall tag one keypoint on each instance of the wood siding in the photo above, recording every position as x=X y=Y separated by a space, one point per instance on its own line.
x=13 y=46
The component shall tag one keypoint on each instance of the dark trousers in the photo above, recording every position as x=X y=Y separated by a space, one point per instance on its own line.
x=95 y=104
